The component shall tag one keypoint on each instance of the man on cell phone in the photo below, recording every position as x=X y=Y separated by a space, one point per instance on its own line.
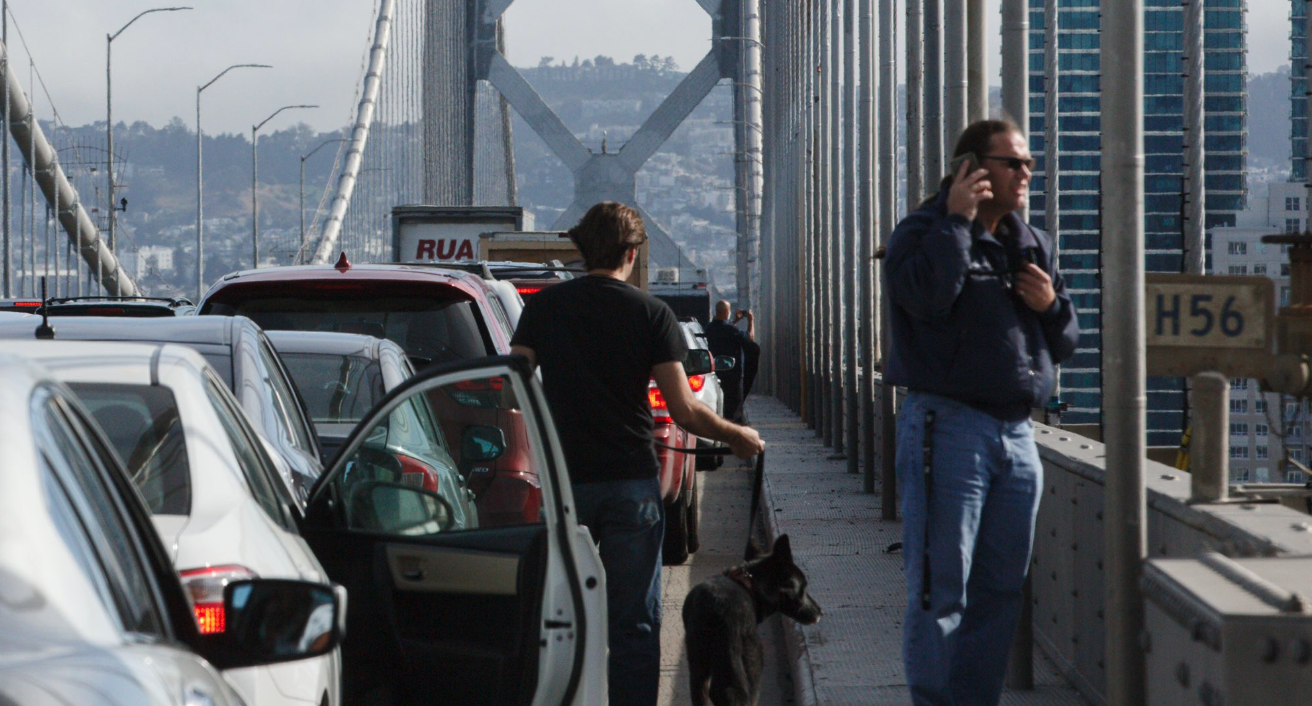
x=979 y=317
x=724 y=338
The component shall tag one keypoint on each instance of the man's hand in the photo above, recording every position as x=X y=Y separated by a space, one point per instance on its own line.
x=747 y=443
x=1034 y=287
x=968 y=190
x=689 y=413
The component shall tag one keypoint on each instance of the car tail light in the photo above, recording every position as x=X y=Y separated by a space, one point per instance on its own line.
x=659 y=409
x=484 y=392
x=417 y=473
x=526 y=291
x=36 y=303
x=697 y=382
x=205 y=588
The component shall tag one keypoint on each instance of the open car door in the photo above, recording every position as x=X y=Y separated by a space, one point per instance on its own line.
x=445 y=609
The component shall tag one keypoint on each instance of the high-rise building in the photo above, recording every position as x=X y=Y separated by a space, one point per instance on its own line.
x=1298 y=89
x=1264 y=426
x=1078 y=165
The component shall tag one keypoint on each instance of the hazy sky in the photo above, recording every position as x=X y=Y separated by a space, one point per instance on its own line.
x=317 y=48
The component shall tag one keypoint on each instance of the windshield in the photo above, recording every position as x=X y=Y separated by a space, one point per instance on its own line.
x=336 y=388
x=141 y=422
x=429 y=329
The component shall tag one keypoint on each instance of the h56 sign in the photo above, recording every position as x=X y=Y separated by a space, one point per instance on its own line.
x=1197 y=323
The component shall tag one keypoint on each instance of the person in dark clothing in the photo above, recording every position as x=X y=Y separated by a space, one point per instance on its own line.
x=979 y=318
x=600 y=341
x=724 y=338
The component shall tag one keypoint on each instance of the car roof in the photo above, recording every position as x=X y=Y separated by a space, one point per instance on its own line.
x=328 y=343
x=97 y=361
x=194 y=330
x=355 y=273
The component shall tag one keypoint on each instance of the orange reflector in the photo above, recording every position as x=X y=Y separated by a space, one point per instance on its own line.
x=210 y=618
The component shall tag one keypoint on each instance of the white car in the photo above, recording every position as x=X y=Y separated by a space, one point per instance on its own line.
x=215 y=496
x=511 y=613
x=707 y=391
x=93 y=613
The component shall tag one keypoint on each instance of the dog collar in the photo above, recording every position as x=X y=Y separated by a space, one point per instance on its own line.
x=741 y=576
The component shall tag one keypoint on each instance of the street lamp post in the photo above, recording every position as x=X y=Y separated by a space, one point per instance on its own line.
x=301 y=253
x=109 y=113
x=255 y=181
x=200 y=209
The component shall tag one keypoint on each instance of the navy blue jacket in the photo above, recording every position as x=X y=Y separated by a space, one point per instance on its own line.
x=957 y=329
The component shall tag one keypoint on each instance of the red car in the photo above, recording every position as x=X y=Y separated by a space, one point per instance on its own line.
x=436 y=316
x=678 y=478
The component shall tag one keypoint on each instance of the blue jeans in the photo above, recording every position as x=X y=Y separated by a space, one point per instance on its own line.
x=986 y=485
x=627 y=520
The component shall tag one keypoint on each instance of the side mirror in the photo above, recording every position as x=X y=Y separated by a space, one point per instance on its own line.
x=269 y=621
x=699 y=362
x=396 y=508
x=482 y=443
x=725 y=362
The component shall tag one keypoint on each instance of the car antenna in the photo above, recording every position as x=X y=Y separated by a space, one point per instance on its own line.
x=45 y=331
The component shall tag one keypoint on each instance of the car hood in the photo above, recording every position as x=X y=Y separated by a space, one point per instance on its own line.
x=57 y=675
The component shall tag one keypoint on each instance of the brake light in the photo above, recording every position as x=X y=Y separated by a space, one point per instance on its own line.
x=416 y=473
x=697 y=382
x=205 y=588
x=659 y=409
x=335 y=285
x=483 y=392
x=525 y=291
x=27 y=303
x=481 y=385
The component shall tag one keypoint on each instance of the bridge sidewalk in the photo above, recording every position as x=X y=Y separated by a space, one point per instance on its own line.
x=853 y=655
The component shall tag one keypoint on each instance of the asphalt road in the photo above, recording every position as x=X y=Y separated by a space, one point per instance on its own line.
x=726 y=494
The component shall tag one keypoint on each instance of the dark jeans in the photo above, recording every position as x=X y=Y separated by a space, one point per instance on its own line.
x=731 y=386
x=627 y=520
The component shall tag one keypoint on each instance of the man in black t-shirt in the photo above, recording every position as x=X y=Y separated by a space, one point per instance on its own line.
x=723 y=338
x=600 y=341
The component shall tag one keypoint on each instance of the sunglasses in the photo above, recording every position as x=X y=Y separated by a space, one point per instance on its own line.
x=1014 y=163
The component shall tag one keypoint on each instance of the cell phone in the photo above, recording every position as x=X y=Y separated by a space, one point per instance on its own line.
x=968 y=158
x=1028 y=255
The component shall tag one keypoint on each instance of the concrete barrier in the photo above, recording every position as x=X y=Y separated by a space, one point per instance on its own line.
x=1067 y=566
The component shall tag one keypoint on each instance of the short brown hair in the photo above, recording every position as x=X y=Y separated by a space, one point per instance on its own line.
x=606 y=233
x=977 y=138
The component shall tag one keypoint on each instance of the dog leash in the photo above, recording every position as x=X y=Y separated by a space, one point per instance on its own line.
x=758 y=480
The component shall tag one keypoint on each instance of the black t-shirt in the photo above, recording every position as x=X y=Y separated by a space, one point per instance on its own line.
x=723 y=338
x=597 y=340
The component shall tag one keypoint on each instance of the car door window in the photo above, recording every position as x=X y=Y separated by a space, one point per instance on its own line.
x=82 y=466
x=453 y=454
x=143 y=424
x=255 y=466
x=286 y=402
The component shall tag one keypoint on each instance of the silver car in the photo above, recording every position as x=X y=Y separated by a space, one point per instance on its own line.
x=93 y=612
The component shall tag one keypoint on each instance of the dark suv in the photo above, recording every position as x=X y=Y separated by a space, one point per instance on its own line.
x=436 y=316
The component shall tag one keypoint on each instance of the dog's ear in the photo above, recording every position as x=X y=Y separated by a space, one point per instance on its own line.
x=782 y=548
x=753 y=550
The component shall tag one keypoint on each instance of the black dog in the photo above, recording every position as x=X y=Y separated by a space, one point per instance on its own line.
x=720 y=616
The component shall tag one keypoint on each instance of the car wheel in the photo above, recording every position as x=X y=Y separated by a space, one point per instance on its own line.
x=694 y=516
x=675 y=549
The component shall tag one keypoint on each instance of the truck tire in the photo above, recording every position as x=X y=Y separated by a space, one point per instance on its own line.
x=675 y=549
